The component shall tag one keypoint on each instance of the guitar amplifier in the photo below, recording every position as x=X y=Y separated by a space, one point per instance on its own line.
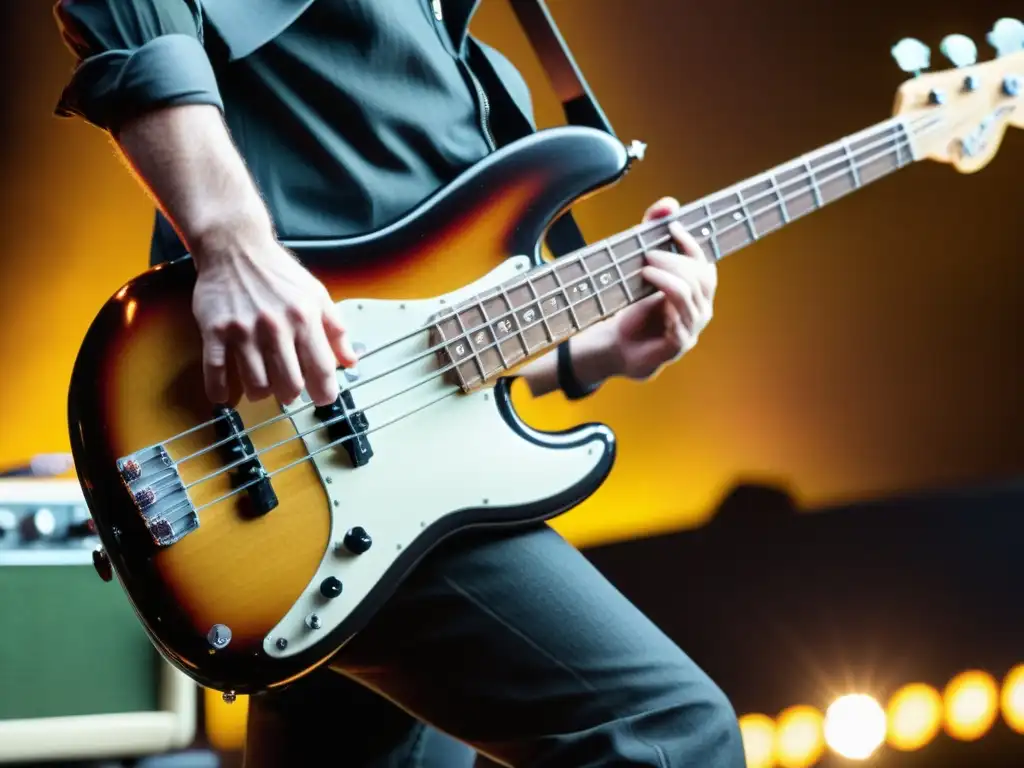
x=79 y=678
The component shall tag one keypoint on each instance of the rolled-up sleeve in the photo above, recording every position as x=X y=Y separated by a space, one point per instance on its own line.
x=133 y=56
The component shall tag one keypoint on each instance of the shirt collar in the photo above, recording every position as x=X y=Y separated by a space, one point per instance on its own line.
x=247 y=25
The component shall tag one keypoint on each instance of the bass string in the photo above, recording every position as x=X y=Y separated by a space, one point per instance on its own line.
x=424 y=380
x=533 y=275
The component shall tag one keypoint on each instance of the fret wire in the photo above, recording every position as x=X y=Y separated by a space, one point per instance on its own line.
x=568 y=301
x=898 y=150
x=853 y=164
x=494 y=335
x=783 y=208
x=469 y=341
x=746 y=215
x=618 y=269
x=709 y=232
x=593 y=285
x=511 y=309
x=445 y=341
x=540 y=308
x=818 y=200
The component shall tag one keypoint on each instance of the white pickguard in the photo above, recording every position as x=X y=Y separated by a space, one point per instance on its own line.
x=457 y=452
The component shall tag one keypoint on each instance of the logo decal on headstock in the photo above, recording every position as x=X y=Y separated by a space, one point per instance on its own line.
x=977 y=142
x=959 y=116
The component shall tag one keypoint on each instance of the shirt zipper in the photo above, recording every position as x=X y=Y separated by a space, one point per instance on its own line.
x=481 y=94
x=485 y=110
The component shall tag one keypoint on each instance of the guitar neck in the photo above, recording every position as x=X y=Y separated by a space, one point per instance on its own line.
x=726 y=221
x=534 y=312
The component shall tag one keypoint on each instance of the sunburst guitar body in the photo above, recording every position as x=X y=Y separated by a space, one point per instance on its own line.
x=246 y=581
x=255 y=541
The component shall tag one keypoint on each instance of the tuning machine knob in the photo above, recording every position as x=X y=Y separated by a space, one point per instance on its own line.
x=959 y=49
x=912 y=55
x=1007 y=36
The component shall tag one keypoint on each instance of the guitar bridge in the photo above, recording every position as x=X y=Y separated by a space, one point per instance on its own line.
x=158 y=494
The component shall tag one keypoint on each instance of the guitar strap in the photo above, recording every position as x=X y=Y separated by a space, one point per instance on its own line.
x=578 y=102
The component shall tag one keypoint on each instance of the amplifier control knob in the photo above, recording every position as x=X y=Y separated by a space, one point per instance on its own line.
x=8 y=522
x=40 y=525
x=82 y=529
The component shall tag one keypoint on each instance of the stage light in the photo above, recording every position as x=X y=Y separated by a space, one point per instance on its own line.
x=972 y=705
x=799 y=740
x=915 y=716
x=854 y=726
x=758 y=732
x=1012 y=699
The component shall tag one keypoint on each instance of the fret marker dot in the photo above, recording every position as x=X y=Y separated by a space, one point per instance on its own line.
x=705 y=231
x=738 y=216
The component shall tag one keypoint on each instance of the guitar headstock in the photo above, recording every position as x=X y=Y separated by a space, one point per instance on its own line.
x=959 y=116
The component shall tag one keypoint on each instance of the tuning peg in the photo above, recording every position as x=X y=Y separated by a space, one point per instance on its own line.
x=912 y=55
x=959 y=49
x=1007 y=36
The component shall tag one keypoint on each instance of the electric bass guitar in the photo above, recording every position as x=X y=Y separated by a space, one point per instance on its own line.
x=254 y=541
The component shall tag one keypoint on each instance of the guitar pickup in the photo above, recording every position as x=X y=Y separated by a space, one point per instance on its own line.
x=348 y=426
x=249 y=471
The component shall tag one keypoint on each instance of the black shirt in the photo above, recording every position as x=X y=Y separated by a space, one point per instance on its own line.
x=348 y=117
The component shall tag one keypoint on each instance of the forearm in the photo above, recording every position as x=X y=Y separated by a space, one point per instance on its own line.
x=185 y=158
x=594 y=357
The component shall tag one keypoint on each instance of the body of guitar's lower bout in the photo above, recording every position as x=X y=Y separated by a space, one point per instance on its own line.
x=245 y=592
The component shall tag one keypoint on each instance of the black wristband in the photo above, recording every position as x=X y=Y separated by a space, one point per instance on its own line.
x=568 y=382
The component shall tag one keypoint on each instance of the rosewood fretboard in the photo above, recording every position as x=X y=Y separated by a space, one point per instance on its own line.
x=494 y=331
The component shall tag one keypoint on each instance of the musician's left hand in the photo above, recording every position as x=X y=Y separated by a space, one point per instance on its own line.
x=661 y=328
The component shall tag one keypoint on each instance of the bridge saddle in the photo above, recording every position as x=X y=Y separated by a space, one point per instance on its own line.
x=159 y=495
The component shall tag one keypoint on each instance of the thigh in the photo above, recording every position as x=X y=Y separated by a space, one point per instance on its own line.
x=517 y=644
x=326 y=719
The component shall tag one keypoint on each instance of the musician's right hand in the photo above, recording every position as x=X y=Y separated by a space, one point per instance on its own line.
x=260 y=310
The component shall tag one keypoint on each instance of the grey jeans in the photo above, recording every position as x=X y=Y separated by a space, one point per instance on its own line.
x=512 y=644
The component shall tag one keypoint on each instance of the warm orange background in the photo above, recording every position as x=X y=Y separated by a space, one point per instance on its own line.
x=868 y=349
